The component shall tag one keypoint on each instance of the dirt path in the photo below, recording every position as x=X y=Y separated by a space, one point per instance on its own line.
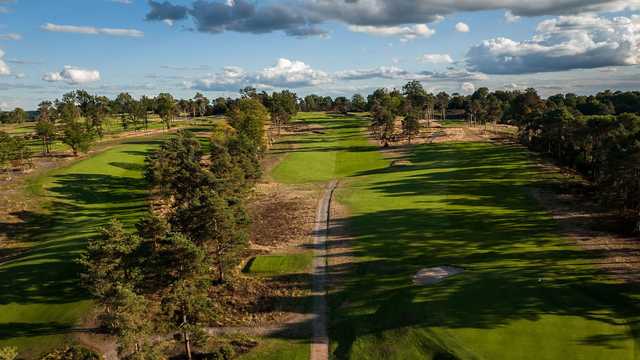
x=319 y=337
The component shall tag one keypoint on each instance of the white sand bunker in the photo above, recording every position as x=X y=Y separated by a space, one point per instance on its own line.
x=428 y=276
x=401 y=163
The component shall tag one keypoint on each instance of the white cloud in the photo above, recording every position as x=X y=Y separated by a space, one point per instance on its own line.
x=437 y=58
x=406 y=33
x=397 y=73
x=453 y=75
x=232 y=78
x=284 y=74
x=121 y=32
x=4 y=68
x=125 y=2
x=11 y=36
x=52 y=77
x=510 y=18
x=514 y=87
x=467 y=88
x=462 y=27
x=287 y=73
x=383 y=72
x=563 y=43
x=73 y=75
x=186 y=68
x=90 y=30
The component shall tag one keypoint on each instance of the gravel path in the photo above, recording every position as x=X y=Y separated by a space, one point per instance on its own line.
x=319 y=338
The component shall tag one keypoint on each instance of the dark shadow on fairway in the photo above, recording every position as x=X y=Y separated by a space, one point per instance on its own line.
x=47 y=274
x=483 y=219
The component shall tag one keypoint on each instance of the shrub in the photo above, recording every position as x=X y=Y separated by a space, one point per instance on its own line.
x=8 y=353
x=71 y=353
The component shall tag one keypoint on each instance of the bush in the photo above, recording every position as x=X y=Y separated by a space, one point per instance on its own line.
x=8 y=353
x=13 y=149
x=227 y=351
x=71 y=353
x=147 y=353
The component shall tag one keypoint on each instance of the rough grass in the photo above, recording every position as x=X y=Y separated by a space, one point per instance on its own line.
x=112 y=129
x=526 y=293
x=40 y=296
x=280 y=264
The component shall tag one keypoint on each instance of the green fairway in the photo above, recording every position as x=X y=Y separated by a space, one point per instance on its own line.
x=340 y=152
x=40 y=296
x=280 y=264
x=278 y=349
x=526 y=293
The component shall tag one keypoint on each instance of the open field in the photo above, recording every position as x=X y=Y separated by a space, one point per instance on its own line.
x=113 y=129
x=40 y=297
x=526 y=292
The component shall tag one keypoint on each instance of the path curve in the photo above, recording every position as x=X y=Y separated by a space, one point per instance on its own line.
x=319 y=337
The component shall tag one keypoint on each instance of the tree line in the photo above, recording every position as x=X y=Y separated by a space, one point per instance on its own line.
x=78 y=119
x=157 y=280
x=597 y=135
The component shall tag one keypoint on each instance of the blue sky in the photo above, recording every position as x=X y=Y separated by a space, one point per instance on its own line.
x=330 y=47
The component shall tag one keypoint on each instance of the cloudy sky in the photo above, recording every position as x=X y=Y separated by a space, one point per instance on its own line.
x=330 y=47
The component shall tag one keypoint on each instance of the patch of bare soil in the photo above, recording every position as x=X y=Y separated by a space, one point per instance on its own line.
x=253 y=301
x=282 y=216
x=299 y=128
x=593 y=230
x=91 y=338
x=443 y=135
x=16 y=203
x=434 y=132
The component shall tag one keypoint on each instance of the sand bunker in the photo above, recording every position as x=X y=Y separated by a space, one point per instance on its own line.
x=428 y=276
x=401 y=163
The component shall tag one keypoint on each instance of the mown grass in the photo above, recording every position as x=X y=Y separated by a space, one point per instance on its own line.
x=41 y=299
x=280 y=264
x=526 y=292
x=321 y=157
x=278 y=349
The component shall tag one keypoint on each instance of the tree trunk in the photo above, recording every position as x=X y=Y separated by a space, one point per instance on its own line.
x=220 y=272
x=187 y=341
